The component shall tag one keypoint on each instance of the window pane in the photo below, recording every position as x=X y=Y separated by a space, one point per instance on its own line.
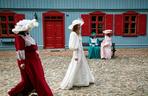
x=126 y=25
x=133 y=30
x=10 y=18
x=126 y=18
x=133 y=26
x=93 y=25
x=10 y=32
x=93 y=18
x=59 y=17
x=47 y=17
x=4 y=32
x=93 y=31
x=53 y=17
x=10 y=27
x=100 y=18
x=100 y=25
x=133 y=18
x=3 y=26
x=100 y=31
x=2 y=18
x=126 y=31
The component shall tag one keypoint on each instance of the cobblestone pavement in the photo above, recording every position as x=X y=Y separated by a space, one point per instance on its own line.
x=124 y=75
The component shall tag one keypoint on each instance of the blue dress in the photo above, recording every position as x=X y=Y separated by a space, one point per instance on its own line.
x=94 y=48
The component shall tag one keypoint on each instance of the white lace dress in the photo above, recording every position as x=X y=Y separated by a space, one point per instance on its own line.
x=106 y=47
x=78 y=73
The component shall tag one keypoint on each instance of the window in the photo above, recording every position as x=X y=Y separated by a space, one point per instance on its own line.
x=97 y=24
x=53 y=18
x=7 y=23
x=130 y=24
x=8 y=20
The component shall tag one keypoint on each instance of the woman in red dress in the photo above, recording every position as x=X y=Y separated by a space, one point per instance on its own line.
x=32 y=75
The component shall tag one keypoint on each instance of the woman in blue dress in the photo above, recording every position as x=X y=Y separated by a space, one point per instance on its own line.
x=94 y=49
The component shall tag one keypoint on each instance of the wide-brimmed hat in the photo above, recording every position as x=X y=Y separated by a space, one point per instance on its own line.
x=24 y=25
x=75 y=22
x=107 y=31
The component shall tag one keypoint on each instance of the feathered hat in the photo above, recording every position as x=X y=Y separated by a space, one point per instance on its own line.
x=24 y=25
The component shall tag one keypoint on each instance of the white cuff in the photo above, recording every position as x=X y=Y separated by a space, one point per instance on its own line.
x=20 y=54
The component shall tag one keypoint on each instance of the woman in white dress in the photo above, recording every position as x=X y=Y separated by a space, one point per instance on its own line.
x=78 y=73
x=106 y=44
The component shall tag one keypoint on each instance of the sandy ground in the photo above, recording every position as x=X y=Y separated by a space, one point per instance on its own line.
x=124 y=75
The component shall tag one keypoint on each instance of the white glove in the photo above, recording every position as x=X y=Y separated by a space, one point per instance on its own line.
x=20 y=54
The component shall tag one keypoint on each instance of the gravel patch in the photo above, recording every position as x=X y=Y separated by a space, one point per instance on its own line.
x=124 y=75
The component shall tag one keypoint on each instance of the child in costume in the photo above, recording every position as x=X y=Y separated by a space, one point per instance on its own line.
x=106 y=51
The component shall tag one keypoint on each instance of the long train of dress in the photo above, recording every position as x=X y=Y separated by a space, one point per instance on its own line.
x=78 y=73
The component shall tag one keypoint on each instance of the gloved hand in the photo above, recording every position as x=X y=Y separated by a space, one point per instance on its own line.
x=22 y=66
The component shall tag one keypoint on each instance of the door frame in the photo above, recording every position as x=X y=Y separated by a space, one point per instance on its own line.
x=52 y=13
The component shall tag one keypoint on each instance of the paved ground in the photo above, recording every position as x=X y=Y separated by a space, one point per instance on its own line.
x=125 y=75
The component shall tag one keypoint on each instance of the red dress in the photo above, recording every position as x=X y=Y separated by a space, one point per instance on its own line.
x=32 y=76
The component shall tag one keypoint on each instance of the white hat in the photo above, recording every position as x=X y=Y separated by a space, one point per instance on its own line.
x=24 y=25
x=107 y=31
x=75 y=22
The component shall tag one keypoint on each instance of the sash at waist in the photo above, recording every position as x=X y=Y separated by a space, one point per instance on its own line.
x=31 y=48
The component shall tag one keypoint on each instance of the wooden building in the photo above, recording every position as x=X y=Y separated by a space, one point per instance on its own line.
x=127 y=19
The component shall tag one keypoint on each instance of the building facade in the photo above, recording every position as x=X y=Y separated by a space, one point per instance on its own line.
x=127 y=19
